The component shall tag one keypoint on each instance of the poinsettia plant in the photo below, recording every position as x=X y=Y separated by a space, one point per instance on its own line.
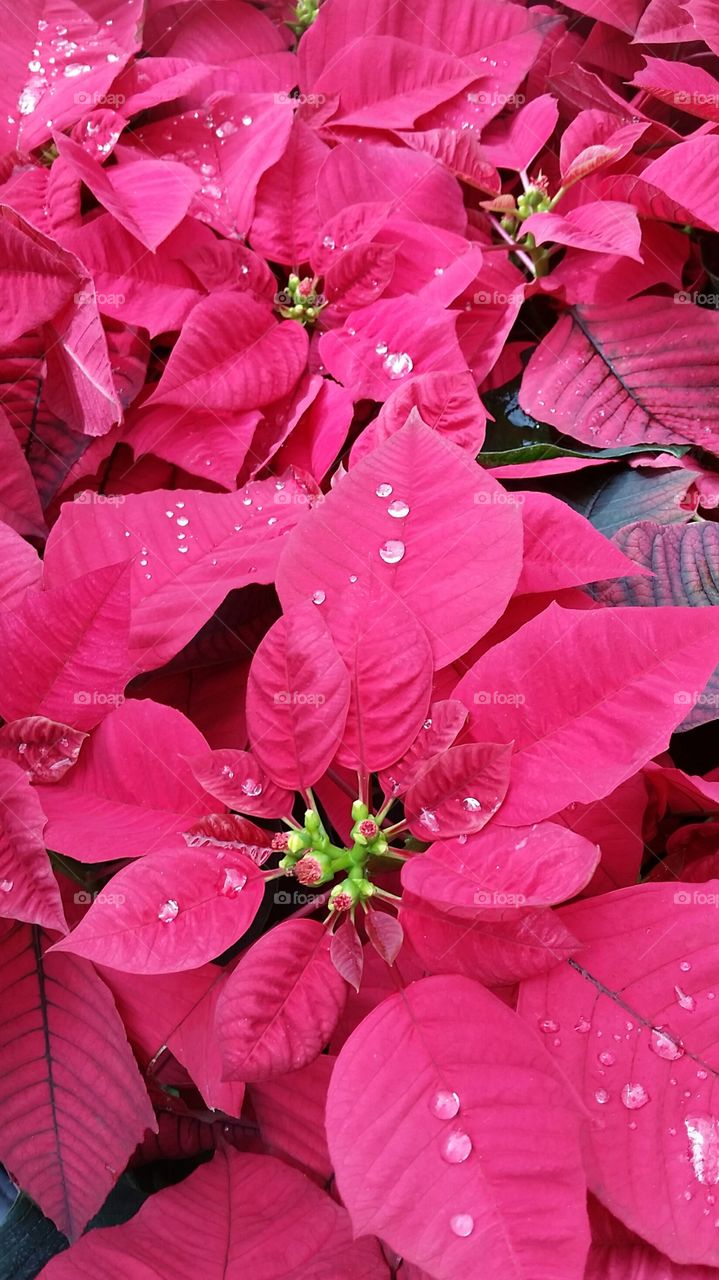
x=359 y=825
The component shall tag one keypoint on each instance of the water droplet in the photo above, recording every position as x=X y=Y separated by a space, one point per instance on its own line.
x=634 y=1096
x=398 y=364
x=251 y=787
x=456 y=1147
x=601 y=1096
x=179 y=505
x=183 y=548
x=247 y=120
x=381 y=348
x=182 y=521
x=444 y=1104
x=353 y=577
x=328 y=243
x=471 y=804
x=607 y=1059
x=462 y=1224
x=392 y=551
x=383 y=490
x=664 y=1045
x=685 y=966
x=168 y=911
x=318 y=597
x=170 y=515
x=703 y=1134
x=234 y=882
x=702 y=1075
x=685 y=1001
x=6 y=886
x=548 y=1026
x=428 y=819
x=398 y=509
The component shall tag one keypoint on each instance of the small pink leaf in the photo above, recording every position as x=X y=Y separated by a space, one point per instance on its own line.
x=230 y=831
x=297 y=697
x=443 y=724
x=385 y=933
x=460 y=791
x=43 y=748
x=28 y=889
x=236 y=778
x=346 y=953
x=281 y=1004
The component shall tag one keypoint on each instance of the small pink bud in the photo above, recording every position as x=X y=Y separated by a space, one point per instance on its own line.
x=368 y=828
x=309 y=870
x=279 y=840
x=342 y=901
x=306 y=287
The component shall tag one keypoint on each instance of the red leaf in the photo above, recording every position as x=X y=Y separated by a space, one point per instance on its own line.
x=389 y=658
x=425 y=1166
x=63 y=1051
x=385 y=933
x=646 y=1055
x=290 y=1111
x=28 y=889
x=454 y=559
x=561 y=547
x=297 y=697
x=460 y=791
x=625 y=665
x=235 y=778
x=346 y=953
x=438 y=732
x=169 y=911
x=43 y=748
x=239 y=1236
x=230 y=831
x=281 y=1004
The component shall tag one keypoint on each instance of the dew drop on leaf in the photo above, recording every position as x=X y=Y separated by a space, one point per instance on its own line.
x=471 y=804
x=634 y=1096
x=6 y=886
x=456 y=1146
x=398 y=509
x=607 y=1059
x=548 y=1026
x=582 y=1025
x=234 y=881
x=428 y=819
x=664 y=1045
x=685 y=1001
x=168 y=911
x=444 y=1104
x=462 y=1224
x=398 y=364
x=601 y=1096
x=251 y=787
x=383 y=490
x=318 y=597
x=703 y=1134
x=392 y=551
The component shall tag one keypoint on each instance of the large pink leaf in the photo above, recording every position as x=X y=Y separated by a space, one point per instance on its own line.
x=496 y=948
x=453 y=556
x=210 y=367
x=691 y=88
x=460 y=790
x=281 y=1004
x=297 y=697
x=239 y=781
x=446 y=402
x=131 y=790
x=78 y=638
x=188 y=549
x=169 y=911
x=194 y=1043
x=645 y=1056
x=501 y=869
x=635 y=374
x=561 y=547
x=28 y=890
x=286 y=218
x=148 y=198
x=390 y=679
x=19 y=508
x=688 y=173
x=239 y=1233
x=625 y=667
x=432 y=1167
x=290 y=1111
x=64 y=1057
